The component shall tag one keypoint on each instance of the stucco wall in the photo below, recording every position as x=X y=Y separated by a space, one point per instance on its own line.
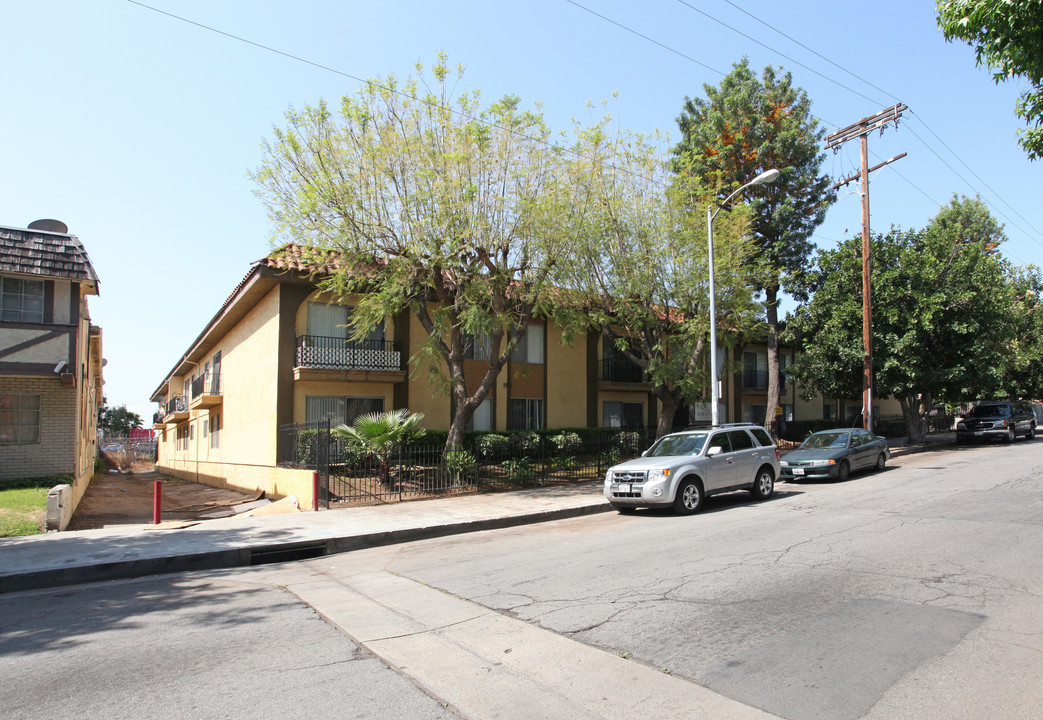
x=566 y=380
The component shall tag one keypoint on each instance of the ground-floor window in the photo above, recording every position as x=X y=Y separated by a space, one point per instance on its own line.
x=181 y=442
x=215 y=426
x=339 y=410
x=19 y=419
x=526 y=414
x=830 y=410
x=620 y=414
x=754 y=413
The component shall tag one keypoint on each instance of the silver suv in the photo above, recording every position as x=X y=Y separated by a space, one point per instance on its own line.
x=682 y=468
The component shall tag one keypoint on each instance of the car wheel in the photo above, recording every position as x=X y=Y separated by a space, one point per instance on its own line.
x=624 y=509
x=881 y=462
x=1010 y=435
x=689 y=497
x=844 y=471
x=763 y=485
x=1031 y=434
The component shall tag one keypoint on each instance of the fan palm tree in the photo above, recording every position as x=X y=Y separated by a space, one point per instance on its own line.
x=378 y=434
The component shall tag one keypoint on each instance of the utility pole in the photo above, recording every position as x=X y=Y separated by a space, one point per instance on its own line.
x=861 y=130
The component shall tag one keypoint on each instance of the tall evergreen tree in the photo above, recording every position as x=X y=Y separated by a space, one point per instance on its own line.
x=742 y=128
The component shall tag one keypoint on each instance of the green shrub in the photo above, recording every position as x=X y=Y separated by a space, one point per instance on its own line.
x=460 y=466
x=629 y=443
x=566 y=443
x=611 y=457
x=518 y=469
x=566 y=462
x=525 y=442
x=492 y=445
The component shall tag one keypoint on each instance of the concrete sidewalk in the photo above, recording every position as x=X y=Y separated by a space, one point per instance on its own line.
x=69 y=558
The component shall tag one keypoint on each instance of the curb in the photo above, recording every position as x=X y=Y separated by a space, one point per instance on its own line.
x=266 y=553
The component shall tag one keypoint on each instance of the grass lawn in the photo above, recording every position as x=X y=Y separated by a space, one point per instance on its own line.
x=23 y=505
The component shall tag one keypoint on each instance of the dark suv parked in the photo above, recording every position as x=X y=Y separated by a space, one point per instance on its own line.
x=1005 y=420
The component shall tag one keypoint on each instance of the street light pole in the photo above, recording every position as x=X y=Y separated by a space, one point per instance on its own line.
x=768 y=176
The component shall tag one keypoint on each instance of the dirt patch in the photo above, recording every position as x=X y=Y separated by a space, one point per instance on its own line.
x=116 y=499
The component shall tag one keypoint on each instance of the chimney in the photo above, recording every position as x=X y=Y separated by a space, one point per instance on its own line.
x=54 y=226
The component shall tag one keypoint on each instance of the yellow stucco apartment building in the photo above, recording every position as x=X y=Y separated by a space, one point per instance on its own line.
x=277 y=353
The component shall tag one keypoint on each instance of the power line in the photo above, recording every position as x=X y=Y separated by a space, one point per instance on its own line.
x=387 y=88
x=630 y=30
x=795 y=62
x=810 y=50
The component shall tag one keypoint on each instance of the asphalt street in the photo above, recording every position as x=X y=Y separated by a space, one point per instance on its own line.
x=913 y=593
x=184 y=647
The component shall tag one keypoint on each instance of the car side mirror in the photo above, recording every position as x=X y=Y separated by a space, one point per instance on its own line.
x=643 y=453
x=715 y=450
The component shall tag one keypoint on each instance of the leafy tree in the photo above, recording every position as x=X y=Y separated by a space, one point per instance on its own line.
x=744 y=127
x=1023 y=370
x=969 y=220
x=378 y=434
x=1008 y=37
x=641 y=262
x=940 y=327
x=117 y=421
x=434 y=204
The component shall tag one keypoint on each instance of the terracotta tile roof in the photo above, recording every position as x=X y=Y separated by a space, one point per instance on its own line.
x=48 y=254
x=307 y=260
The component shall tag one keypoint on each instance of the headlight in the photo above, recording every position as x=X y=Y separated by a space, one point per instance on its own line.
x=820 y=463
x=783 y=463
x=961 y=426
x=658 y=474
x=608 y=477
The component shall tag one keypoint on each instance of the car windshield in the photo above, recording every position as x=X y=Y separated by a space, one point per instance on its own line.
x=826 y=440
x=990 y=411
x=670 y=445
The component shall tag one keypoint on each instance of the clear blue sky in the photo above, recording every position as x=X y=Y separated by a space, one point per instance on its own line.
x=137 y=129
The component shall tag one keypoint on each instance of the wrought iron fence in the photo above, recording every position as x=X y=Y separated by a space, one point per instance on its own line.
x=489 y=462
x=176 y=404
x=316 y=351
x=621 y=370
x=209 y=383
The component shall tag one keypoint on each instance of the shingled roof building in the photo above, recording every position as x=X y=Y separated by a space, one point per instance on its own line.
x=50 y=355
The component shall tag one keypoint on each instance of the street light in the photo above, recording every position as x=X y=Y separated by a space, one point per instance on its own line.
x=769 y=176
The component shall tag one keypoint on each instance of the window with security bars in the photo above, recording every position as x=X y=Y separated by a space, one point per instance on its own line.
x=21 y=300
x=19 y=419
x=339 y=410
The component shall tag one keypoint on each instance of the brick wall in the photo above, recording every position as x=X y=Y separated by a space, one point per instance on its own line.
x=55 y=454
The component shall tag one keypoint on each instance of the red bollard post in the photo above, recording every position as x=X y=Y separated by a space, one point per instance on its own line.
x=315 y=492
x=157 y=501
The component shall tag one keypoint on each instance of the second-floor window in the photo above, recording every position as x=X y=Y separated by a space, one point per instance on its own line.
x=755 y=370
x=21 y=300
x=332 y=321
x=530 y=346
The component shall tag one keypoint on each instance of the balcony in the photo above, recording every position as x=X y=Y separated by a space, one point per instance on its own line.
x=175 y=410
x=332 y=358
x=206 y=391
x=758 y=380
x=621 y=370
